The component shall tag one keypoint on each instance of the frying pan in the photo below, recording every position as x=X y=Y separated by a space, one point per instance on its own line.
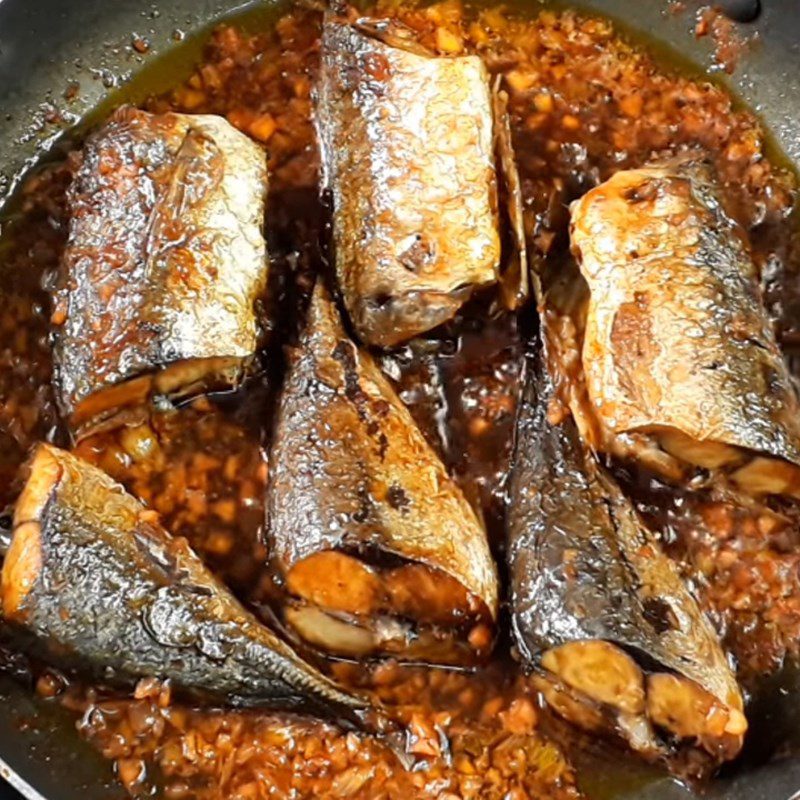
x=46 y=45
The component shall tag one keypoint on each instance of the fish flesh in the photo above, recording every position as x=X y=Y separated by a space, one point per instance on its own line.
x=598 y=610
x=378 y=549
x=164 y=263
x=408 y=159
x=678 y=351
x=93 y=582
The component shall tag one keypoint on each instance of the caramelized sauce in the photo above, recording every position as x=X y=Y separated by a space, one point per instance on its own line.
x=584 y=103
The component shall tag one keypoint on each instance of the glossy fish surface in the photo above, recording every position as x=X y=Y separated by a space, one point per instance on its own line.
x=678 y=347
x=164 y=263
x=379 y=549
x=597 y=608
x=407 y=141
x=97 y=584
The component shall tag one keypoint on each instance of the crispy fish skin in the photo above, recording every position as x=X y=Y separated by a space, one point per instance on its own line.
x=678 y=344
x=407 y=142
x=598 y=609
x=96 y=584
x=164 y=262
x=353 y=476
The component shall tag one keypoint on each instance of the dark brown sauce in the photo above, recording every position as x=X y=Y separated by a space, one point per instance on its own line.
x=584 y=104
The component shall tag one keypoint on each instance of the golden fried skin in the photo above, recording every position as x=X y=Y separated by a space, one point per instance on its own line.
x=94 y=582
x=164 y=262
x=407 y=143
x=365 y=524
x=678 y=346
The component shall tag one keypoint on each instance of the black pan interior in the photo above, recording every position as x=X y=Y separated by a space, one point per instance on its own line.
x=47 y=45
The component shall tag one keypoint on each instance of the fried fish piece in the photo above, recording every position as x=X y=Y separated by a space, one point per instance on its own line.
x=95 y=583
x=678 y=350
x=618 y=643
x=380 y=552
x=164 y=263
x=408 y=157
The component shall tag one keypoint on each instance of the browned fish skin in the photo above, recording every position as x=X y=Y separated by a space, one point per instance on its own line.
x=408 y=157
x=164 y=262
x=678 y=346
x=98 y=584
x=514 y=281
x=599 y=609
x=356 y=491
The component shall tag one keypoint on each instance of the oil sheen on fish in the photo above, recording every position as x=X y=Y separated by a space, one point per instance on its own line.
x=164 y=262
x=514 y=281
x=378 y=548
x=96 y=583
x=618 y=643
x=678 y=351
x=407 y=140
